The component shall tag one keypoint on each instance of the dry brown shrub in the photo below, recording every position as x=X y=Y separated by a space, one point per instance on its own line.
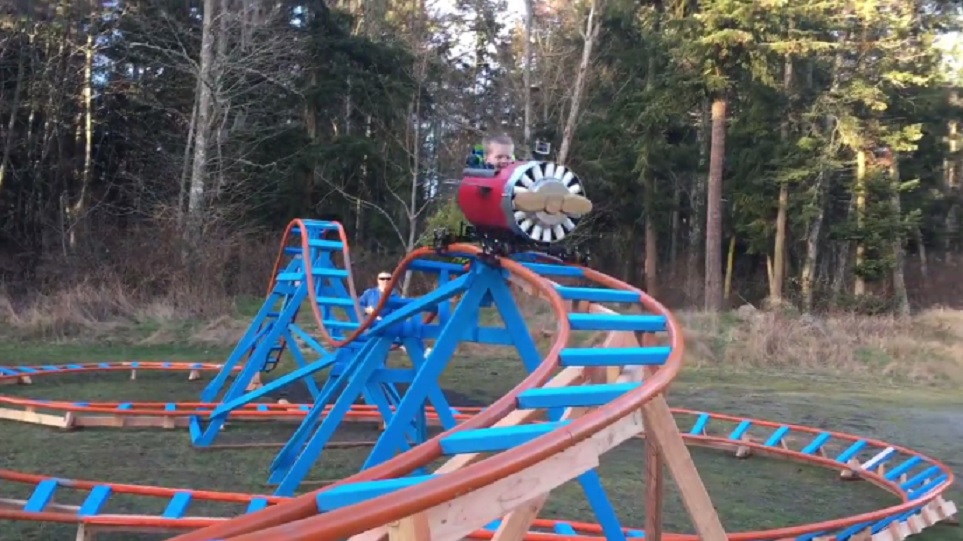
x=926 y=348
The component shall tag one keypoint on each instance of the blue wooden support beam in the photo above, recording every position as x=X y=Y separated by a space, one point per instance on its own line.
x=95 y=501
x=632 y=356
x=576 y=396
x=496 y=438
x=355 y=493
x=617 y=322
x=597 y=294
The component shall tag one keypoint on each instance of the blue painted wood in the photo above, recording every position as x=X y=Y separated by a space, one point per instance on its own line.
x=436 y=397
x=466 y=313
x=428 y=265
x=741 y=429
x=256 y=505
x=125 y=406
x=636 y=356
x=904 y=467
x=700 y=425
x=564 y=528
x=545 y=269
x=597 y=294
x=290 y=277
x=814 y=445
x=925 y=488
x=845 y=534
x=329 y=272
x=919 y=478
x=296 y=457
x=635 y=534
x=251 y=353
x=335 y=301
x=601 y=506
x=355 y=493
x=42 y=494
x=326 y=244
x=493 y=525
x=95 y=501
x=498 y=438
x=338 y=324
x=617 y=322
x=851 y=451
x=178 y=505
x=577 y=396
x=777 y=436
x=227 y=407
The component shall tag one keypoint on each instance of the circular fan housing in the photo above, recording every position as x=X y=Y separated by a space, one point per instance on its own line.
x=541 y=213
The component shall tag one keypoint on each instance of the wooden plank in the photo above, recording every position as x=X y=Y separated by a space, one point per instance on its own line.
x=662 y=429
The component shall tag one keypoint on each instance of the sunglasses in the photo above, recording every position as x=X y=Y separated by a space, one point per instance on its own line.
x=384 y=278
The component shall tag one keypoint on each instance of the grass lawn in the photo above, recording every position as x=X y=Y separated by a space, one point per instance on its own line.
x=750 y=494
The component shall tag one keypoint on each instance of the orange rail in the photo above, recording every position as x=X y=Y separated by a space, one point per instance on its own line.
x=297 y=518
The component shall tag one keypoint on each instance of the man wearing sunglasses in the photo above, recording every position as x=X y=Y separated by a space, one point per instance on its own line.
x=371 y=297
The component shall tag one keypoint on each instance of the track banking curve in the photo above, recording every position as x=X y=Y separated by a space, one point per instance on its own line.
x=298 y=518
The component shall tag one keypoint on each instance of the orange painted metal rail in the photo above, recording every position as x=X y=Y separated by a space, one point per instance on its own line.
x=918 y=480
x=716 y=433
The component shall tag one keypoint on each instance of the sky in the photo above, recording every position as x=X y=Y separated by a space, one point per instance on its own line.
x=516 y=11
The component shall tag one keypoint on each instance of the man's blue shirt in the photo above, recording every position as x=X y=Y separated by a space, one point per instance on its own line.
x=372 y=296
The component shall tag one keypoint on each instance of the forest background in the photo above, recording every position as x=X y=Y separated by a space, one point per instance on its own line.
x=797 y=160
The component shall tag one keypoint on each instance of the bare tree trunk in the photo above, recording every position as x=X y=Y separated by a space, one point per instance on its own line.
x=843 y=250
x=859 y=286
x=529 y=8
x=899 y=254
x=188 y=148
x=808 y=276
x=713 y=269
x=952 y=164
x=591 y=33
x=79 y=206
x=674 y=228
x=697 y=204
x=779 y=246
x=195 y=204
x=12 y=122
x=651 y=234
x=413 y=196
x=924 y=264
x=221 y=104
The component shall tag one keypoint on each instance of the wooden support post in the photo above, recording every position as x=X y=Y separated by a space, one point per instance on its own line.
x=413 y=528
x=660 y=427
x=654 y=473
x=517 y=523
x=84 y=533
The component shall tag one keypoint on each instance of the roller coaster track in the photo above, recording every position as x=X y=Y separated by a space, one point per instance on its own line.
x=504 y=459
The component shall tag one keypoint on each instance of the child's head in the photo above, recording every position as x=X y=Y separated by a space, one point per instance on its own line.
x=499 y=151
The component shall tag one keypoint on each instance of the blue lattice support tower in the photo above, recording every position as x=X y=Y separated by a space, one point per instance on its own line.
x=483 y=285
x=307 y=248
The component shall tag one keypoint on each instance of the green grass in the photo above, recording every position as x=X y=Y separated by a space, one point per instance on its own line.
x=750 y=494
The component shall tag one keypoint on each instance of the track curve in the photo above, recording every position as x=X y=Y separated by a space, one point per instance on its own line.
x=919 y=480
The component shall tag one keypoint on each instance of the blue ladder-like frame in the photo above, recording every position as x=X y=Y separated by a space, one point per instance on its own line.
x=274 y=329
x=405 y=424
